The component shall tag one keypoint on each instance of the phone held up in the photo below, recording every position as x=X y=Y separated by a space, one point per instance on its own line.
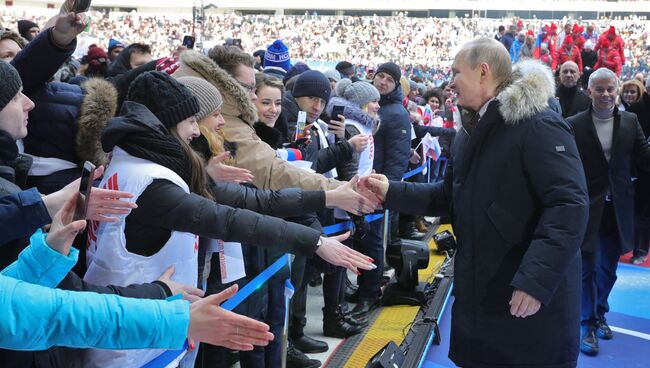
x=188 y=41
x=301 y=124
x=81 y=6
x=336 y=111
x=87 y=175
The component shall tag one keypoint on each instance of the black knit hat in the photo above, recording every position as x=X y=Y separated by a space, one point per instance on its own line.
x=391 y=69
x=345 y=67
x=312 y=83
x=10 y=83
x=164 y=96
x=24 y=26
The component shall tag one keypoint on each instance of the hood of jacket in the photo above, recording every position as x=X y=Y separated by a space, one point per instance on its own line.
x=236 y=101
x=531 y=86
x=395 y=97
x=352 y=112
x=290 y=107
x=122 y=64
x=98 y=107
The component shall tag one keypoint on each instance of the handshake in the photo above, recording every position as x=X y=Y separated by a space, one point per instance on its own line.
x=359 y=196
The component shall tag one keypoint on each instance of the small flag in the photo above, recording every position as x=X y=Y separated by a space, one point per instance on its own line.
x=431 y=147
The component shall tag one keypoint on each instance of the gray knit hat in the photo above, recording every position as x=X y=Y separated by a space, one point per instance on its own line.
x=333 y=74
x=359 y=93
x=207 y=94
x=10 y=83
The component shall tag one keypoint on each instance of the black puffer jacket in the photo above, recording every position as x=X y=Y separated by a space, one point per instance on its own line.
x=393 y=139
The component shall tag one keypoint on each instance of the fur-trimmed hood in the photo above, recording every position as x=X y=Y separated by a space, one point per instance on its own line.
x=532 y=84
x=99 y=105
x=352 y=112
x=236 y=101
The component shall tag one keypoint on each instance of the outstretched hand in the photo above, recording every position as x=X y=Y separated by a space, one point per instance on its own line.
x=63 y=230
x=67 y=27
x=377 y=184
x=223 y=173
x=190 y=293
x=346 y=198
x=332 y=251
x=214 y=325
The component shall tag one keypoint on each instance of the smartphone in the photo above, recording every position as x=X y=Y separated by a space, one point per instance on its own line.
x=188 y=41
x=81 y=6
x=300 y=125
x=336 y=111
x=87 y=175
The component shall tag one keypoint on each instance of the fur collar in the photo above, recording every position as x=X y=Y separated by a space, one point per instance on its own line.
x=236 y=101
x=352 y=112
x=98 y=106
x=528 y=94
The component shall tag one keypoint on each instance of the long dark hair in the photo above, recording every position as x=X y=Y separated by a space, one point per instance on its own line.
x=198 y=178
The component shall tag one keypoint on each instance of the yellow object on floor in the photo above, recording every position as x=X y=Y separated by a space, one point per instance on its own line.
x=393 y=322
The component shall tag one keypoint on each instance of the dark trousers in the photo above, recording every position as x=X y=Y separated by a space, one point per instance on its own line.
x=275 y=318
x=371 y=245
x=641 y=236
x=599 y=269
x=301 y=274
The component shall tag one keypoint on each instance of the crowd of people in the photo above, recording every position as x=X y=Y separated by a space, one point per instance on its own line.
x=244 y=148
x=424 y=47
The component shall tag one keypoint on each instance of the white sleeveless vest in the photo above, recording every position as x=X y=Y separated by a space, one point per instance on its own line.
x=110 y=263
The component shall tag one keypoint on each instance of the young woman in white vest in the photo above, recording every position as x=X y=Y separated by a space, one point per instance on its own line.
x=360 y=101
x=226 y=189
x=152 y=159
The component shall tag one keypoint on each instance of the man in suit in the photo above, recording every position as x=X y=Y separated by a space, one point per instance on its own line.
x=609 y=142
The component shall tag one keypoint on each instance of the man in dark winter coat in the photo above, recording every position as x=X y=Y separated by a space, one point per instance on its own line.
x=642 y=184
x=610 y=142
x=518 y=197
x=572 y=98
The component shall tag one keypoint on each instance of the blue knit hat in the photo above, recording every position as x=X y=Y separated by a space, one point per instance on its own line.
x=312 y=83
x=113 y=43
x=277 y=55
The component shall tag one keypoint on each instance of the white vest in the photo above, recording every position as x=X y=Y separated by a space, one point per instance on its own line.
x=324 y=143
x=110 y=263
x=366 y=158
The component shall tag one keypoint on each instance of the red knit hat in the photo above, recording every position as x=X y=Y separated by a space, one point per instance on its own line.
x=612 y=30
x=96 y=55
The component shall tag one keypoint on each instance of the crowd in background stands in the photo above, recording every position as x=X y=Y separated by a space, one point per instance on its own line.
x=423 y=46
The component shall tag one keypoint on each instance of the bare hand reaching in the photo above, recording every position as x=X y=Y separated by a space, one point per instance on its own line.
x=359 y=142
x=214 y=325
x=223 y=173
x=376 y=184
x=332 y=251
x=63 y=230
x=190 y=293
x=346 y=198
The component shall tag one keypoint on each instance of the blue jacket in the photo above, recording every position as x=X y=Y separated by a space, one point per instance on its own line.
x=37 y=317
x=393 y=138
x=20 y=214
x=515 y=50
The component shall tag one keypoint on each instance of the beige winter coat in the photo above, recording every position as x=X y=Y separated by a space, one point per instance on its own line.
x=270 y=171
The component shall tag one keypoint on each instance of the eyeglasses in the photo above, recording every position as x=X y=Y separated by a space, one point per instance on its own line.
x=250 y=88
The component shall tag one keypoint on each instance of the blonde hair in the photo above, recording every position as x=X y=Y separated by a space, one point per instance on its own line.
x=265 y=80
x=406 y=87
x=215 y=142
x=489 y=51
x=640 y=88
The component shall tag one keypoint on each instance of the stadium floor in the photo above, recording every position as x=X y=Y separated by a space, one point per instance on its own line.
x=629 y=319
